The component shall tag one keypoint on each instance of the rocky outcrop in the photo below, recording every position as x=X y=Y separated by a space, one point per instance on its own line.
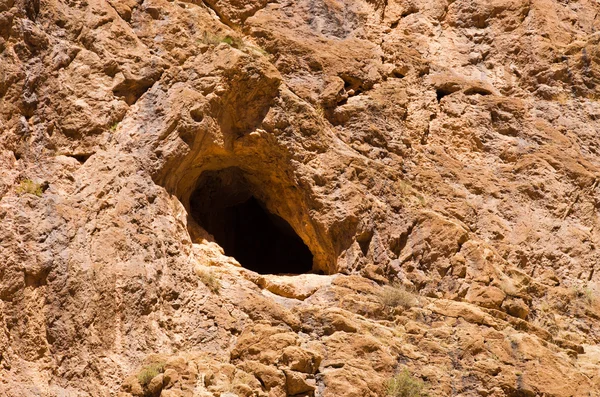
x=438 y=159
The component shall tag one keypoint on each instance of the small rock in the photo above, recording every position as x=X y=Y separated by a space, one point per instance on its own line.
x=170 y=376
x=297 y=383
x=413 y=328
x=475 y=57
x=132 y=385
x=335 y=322
x=156 y=384
x=181 y=393
x=301 y=360
x=485 y=296
x=516 y=307
x=268 y=375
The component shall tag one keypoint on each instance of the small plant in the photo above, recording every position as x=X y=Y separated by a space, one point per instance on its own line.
x=257 y=49
x=588 y=295
x=114 y=126
x=545 y=307
x=228 y=40
x=562 y=98
x=404 y=187
x=395 y=296
x=407 y=190
x=209 y=279
x=585 y=293
x=149 y=372
x=27 y=186
x=233 y=41
x=404 y=385
x=211 y=39
x=208 y=39
x=320 y=111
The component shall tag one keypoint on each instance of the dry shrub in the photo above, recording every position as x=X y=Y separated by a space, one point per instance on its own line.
x=585 y=293
x=404 y=385
x=396 y=296
x=209 y=279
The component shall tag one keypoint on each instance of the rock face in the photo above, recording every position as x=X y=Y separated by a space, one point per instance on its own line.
x=450 y=148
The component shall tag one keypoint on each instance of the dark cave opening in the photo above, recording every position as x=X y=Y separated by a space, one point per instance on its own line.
x=224 y=205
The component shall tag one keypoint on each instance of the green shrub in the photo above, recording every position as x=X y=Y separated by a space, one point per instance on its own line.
x=395 y=296
x=27 y=186
x=211 y=39
x=233 y=41
x=404 y=385
x=149 y=372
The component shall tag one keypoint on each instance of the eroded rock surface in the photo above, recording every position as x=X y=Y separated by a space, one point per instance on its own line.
x=448 y=147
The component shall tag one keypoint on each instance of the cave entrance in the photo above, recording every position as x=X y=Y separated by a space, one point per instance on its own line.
x=223 y=204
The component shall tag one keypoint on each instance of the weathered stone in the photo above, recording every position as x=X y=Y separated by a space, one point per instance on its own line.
x=170 y=377
x=516 y=307
x=486 y=296
x=298 y=383
x=450 y=148
x=156 y=384
x=301 y=360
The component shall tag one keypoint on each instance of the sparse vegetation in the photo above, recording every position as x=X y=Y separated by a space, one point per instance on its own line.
x=209 y=279
x=233 y=41
x=544 y=307
x=584 y=292
x=405 y=385
x=150 y=371
x=212 y=39
x=395 y=296
x=589 y=296
x=27 y=186
x=543 y=315
x=421 y=199
x=562 y=98
x=320 y=112
x=114 y=126
x=259 y=50
x=407 y=190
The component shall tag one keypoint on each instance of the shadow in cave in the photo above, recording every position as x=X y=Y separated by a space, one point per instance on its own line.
x=224 y=206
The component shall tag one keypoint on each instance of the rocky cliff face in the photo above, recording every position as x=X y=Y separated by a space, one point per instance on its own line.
x=427 y=171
